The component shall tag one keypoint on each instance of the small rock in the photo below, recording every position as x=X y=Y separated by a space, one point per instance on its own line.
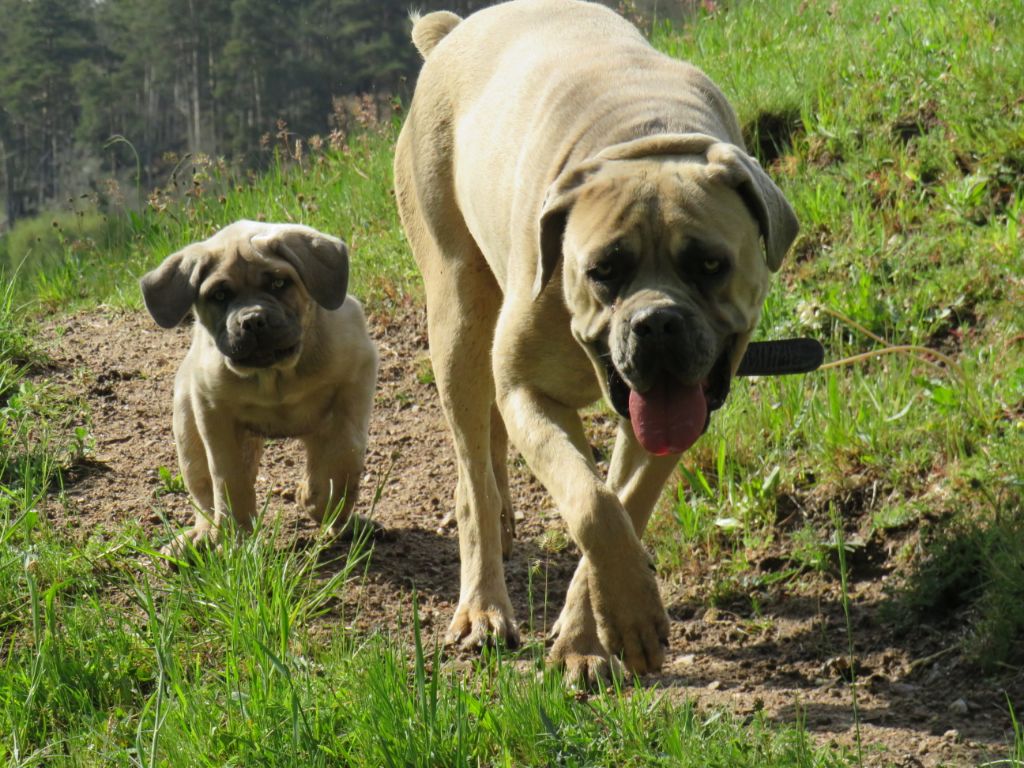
x=715 y=685
x=959 y=707
x=686 y=660
x=952 y=735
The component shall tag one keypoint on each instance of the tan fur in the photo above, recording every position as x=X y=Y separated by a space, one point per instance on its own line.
x=544 y=135
x=320 y=391
x=428 y=31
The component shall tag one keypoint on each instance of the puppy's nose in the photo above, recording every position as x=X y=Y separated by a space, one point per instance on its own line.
x=658 y=322
x=252 y=321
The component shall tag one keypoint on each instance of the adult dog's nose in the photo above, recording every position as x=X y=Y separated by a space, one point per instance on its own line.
x=658 y=324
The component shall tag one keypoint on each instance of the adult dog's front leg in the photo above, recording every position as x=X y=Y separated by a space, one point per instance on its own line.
x=616 y=599
x=637 y=478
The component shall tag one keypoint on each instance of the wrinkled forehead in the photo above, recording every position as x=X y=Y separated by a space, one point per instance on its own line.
x=665 y=202
x=237 y=261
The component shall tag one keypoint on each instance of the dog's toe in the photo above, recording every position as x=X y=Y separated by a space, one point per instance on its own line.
x=589 y=671
x=474 y=630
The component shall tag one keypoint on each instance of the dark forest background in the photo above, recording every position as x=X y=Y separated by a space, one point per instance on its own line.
x=124 y=89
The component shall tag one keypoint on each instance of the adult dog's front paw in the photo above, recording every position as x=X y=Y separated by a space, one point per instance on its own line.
x=477 y=625
x=577 y=648
x=629 y=615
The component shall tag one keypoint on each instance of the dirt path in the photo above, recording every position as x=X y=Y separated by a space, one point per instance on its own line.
x=919 y=703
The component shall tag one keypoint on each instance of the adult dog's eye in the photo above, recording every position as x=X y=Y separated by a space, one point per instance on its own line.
x=603 y=271
x=279 y=284
x=711 y=267
x=220 y=295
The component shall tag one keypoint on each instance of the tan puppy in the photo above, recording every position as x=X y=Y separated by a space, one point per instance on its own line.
x=277 y=351
x=587 y=222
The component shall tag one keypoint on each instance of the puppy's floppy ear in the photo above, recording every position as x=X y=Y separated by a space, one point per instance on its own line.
x=558 y=202
x=170 y=290
x=775 y=216
x=321 y=260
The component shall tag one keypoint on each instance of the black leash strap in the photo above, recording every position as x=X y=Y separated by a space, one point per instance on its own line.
x=782 y=357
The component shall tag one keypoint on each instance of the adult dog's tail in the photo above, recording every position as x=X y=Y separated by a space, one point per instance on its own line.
x=429 y=30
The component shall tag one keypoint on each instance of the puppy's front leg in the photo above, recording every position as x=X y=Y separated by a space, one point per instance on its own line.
x=218 y=460
x=620 y=584
x=334 y=464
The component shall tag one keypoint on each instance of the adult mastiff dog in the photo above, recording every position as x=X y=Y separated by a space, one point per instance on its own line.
x=587 y=223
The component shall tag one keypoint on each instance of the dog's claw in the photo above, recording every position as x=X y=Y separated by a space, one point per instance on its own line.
x=585 y=662
x=474 y=630
x=591 y=672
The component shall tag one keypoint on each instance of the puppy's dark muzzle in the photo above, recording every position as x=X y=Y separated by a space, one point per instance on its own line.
x=255 y=339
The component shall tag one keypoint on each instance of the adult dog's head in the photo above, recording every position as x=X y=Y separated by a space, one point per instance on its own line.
x=254 y=288
x=664 y=272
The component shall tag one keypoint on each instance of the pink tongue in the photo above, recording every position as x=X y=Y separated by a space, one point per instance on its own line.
x=669 y=418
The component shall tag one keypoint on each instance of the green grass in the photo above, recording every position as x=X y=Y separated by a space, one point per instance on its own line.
x=244 y=658
x=896 y=133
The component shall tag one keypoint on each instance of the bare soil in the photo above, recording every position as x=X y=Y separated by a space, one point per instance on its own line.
x=919 y=702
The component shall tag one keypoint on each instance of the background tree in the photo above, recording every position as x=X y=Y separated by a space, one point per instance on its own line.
x=174 y=77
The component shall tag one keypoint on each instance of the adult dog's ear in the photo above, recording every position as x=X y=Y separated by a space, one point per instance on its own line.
x=320 y=260
x=558 y=202
x=775 y=216
x=170 y=290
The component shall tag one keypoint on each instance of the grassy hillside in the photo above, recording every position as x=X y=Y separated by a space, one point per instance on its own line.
x=897 y=134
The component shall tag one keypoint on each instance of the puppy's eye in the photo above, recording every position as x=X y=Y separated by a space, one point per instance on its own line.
x=220 y=295
x=279 y=284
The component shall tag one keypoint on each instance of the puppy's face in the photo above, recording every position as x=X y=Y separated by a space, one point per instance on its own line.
x=254 y=288
x=664 y=275
x=255 y=309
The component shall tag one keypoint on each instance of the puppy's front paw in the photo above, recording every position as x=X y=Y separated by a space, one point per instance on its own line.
x=630 y=617
x=358 y=528
x=475 y=627
x=181 y=546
